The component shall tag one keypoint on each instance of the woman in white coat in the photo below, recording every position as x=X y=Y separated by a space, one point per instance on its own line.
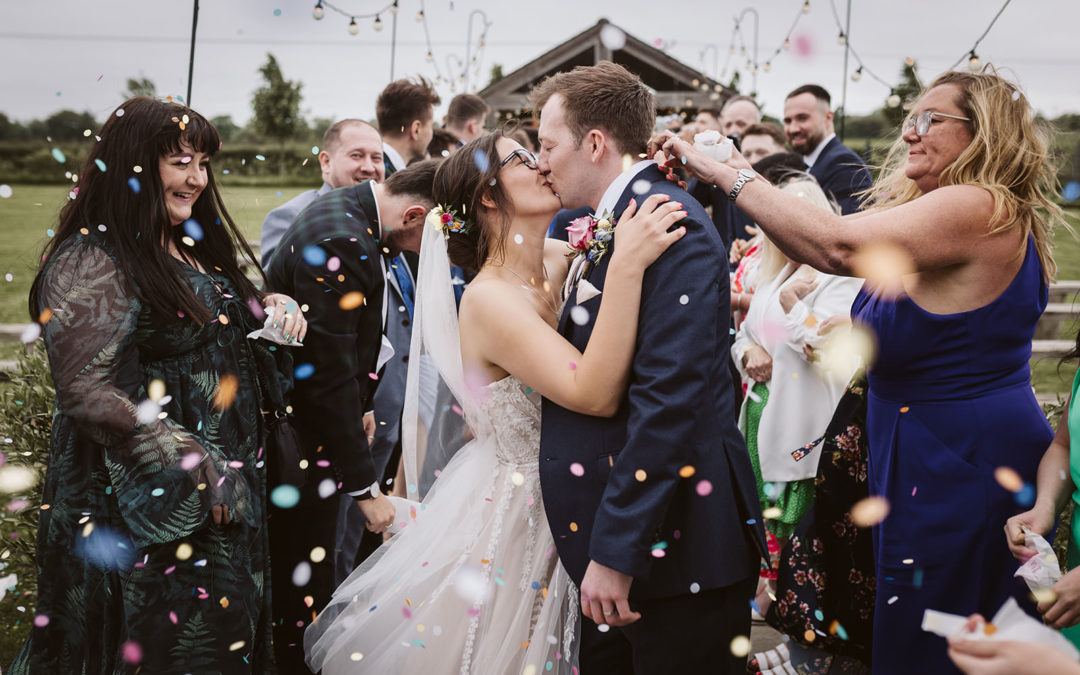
x=789 y=400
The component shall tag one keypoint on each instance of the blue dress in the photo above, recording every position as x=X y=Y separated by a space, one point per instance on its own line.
x=950 y=401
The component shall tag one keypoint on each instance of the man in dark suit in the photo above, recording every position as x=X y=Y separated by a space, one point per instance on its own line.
x=808 y=123
x=405 y=111
x=654 y=511
x=334 y=262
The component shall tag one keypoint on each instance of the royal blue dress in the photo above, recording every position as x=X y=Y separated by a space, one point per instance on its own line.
x=950 y=401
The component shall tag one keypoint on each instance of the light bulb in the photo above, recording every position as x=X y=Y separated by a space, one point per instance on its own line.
x=767 y=66
x=973 y=61
x=787 y=43
x=378 y=23
x=806 y=7
x=353 y=28
x=419 y=16
x=893 y=100
x=841 y=39
x=318 y=12
x=429 y=57
x=857 y=75
x=394 y=8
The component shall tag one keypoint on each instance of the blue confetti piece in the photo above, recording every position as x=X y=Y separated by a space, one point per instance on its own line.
x=536 y=585
x=58 y=155
x=100 y=165
x=277 y=12
x=480 y=159
x=752 y=521
x=135 y=185
x=279 y=193
x=193 y=229
x=840 y=632
x=304 y=371
x=285 y=496
x=200 y=563
x=314 y=149
x=1072 y=191
x=1026 y=495
x=261 y=158
x=106 y=549
x=157 y=492
x=50 y=232
x=819 y=615
x=314 y=255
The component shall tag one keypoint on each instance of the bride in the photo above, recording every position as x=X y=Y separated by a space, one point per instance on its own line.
x=472 y=582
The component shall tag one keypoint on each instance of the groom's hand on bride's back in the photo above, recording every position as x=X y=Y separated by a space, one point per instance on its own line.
x=379 y=512
x=605 y=596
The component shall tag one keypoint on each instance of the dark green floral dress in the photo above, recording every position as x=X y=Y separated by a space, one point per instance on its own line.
x=132 y=572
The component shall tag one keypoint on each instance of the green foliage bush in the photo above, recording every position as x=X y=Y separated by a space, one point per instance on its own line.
x=26 y=410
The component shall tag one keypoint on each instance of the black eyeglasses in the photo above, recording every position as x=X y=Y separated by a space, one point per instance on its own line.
x=921 y=122
x=526 y=157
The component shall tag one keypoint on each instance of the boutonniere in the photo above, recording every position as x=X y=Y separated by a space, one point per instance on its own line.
x=591 y=236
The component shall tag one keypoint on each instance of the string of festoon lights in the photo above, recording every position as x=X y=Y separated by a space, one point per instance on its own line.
x=321 y=6
x=738 y=44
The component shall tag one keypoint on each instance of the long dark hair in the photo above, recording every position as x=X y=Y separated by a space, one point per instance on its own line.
x=130 y=203
x=461 y=182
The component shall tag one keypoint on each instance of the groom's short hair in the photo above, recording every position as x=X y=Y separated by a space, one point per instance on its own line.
x=605 y=96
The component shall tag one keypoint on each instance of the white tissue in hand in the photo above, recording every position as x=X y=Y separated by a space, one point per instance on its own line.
x=713 y=145
x=269 y=332
x=1041 y=571
x=1010 y=623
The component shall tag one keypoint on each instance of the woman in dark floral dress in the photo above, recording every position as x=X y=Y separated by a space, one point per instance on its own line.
x=152 y=544
x=826 y=583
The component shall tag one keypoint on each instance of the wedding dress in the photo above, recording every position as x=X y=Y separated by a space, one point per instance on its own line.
x=472 y=582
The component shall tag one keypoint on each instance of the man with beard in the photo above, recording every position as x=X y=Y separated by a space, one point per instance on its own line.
x=808 y=123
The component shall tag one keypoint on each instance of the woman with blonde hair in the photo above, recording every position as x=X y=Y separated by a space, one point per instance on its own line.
x=789 y=399
x=963 y=203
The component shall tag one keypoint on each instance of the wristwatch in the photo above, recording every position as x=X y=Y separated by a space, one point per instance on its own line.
x=745 y=176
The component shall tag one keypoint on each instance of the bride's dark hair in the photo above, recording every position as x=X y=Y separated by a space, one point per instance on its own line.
x=462 y=181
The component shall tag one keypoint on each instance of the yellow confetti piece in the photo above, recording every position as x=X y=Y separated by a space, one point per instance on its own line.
x=420 y=628
x=870 y=511
x=772 y=513
x=809 y=635
x=184 y=551
x=224 y=602
x=45 y=315
x=810 y=321
x=341 y=278
x=156 y=390
x=640 y=475
x=740 y=646
x=351 y=300
x=884 y=265
x=223 y=319
x=573 y=527
x=525 y=644
x=87 y=529
x=309 y=601
x=318 y=554
x=239 y=644
x=687 y=471
x=226 y=391
x=356 y=656
x=908 y=561
x=84 y=230
x=904 y=409
x=990 y=629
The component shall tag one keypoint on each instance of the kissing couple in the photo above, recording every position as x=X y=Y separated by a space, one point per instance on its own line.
x=604 y=519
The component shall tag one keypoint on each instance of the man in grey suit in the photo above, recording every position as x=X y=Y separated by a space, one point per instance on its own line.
x=351 y=153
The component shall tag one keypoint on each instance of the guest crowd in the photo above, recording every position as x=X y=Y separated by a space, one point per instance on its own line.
x=872 y=353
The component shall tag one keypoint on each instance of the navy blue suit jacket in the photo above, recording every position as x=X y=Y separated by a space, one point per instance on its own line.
x=693 y=516
x=842 y=174
x=730 y=221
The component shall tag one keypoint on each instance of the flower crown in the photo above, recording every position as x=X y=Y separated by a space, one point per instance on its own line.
x=449 y=221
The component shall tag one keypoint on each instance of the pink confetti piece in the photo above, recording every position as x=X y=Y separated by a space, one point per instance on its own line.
x=132 y=652
x=173 y=618
x=577 y=469
x=704 y=488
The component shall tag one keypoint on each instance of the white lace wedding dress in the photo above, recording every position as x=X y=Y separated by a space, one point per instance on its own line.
x=471 y=583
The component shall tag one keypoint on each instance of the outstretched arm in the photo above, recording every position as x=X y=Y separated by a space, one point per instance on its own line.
x=512 y=336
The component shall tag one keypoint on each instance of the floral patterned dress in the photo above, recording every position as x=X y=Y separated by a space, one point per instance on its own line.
x=826 y=585
x=132 y=572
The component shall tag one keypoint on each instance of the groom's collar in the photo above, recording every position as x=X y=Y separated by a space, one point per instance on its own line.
x=611 y=196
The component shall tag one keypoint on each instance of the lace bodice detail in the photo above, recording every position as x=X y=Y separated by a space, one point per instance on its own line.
x=516 y=408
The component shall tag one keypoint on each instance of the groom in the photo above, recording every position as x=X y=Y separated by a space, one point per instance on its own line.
x=654 y=511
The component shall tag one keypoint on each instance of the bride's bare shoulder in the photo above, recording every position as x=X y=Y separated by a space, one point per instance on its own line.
x=487 y=296
x=557 y=260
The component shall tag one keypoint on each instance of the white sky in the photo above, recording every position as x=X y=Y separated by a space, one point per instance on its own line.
x=79 y=53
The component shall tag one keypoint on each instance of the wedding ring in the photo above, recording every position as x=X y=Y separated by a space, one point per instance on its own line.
x=609 y=613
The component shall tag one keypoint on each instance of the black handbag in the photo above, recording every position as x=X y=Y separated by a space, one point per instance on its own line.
x=285 y=463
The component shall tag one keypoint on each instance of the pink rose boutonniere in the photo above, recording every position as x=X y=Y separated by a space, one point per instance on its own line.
x=591 y=236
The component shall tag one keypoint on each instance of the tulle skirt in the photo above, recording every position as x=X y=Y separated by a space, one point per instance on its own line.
x=471 y=584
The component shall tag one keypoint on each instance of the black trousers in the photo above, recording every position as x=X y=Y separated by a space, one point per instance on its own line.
x=681 y=635
x=294 y=533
